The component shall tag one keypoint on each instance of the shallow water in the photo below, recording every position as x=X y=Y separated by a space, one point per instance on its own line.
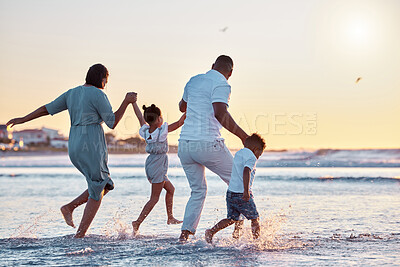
x=310 y=216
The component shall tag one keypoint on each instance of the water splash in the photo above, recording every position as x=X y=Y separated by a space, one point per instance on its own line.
x=116 y=228
x=272 y=236
x=33 y=226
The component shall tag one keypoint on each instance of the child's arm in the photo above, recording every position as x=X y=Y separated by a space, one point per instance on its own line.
x=139 y=114
x=173 y=126
x=246 y=183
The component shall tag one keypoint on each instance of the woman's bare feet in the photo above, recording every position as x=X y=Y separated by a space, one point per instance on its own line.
x=67 y=214
x=173 y=221
x=135 y=226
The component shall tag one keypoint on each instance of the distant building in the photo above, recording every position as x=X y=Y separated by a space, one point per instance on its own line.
x=31 y=137
x=51 y=133
x=3 y=131
x=59 y=142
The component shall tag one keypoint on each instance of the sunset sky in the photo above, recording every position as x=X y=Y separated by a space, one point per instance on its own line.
x=294 y=80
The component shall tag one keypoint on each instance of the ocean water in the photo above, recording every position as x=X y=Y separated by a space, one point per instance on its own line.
x=325 y=207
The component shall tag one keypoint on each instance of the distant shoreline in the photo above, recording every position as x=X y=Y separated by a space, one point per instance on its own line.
x=172 y=150
x=65 y=152
x=52 y=153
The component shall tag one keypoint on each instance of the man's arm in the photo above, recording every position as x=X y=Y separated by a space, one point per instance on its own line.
x=246 y=183
x=182 y=105
x=224 y=117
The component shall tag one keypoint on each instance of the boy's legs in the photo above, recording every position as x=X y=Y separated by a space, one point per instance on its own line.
x=169 y=199
x=238 y=229
x=216 y=228
x=249 y=210
x=255 y=228
x=155 y=196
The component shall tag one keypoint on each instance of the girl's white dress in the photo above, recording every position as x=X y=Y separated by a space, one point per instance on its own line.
x=156 y=165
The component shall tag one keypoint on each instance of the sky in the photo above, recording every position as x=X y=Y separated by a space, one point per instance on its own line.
x=295 y=63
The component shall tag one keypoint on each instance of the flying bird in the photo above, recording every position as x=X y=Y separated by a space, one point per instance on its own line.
x=224 y=29
x=358 y=79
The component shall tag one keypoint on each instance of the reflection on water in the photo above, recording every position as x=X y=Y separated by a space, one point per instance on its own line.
x=309 y=216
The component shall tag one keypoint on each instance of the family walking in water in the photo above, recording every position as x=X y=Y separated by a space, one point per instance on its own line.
x=204 y=105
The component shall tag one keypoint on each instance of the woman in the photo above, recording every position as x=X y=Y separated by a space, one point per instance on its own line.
x=88 y=107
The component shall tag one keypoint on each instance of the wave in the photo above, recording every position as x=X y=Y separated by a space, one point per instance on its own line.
x=331 y=178
x=285 y=178
x=284 y=158
x=332 y=158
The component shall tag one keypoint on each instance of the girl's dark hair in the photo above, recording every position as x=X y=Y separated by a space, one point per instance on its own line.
x=151 y=113
x=96 y=74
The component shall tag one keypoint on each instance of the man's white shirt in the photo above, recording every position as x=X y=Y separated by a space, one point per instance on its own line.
x=200 y=93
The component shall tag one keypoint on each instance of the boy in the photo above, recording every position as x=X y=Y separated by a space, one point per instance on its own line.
x=239 y=198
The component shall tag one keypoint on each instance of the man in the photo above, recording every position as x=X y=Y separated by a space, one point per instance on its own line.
x=205 y=101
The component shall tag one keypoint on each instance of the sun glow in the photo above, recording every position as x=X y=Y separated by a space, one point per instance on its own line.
x=359 y=32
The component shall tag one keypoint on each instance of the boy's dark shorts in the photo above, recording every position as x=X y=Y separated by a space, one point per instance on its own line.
x=236 y=206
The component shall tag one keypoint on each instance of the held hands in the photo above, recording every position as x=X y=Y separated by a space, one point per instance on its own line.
x=15 y=121
x=182 y=118
x=131 y=97
x=246 y=196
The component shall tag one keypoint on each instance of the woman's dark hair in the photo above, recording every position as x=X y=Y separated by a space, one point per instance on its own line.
x=151 y=113
x=96 y=74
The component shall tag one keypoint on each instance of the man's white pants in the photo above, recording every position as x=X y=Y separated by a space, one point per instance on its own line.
x=195 y=156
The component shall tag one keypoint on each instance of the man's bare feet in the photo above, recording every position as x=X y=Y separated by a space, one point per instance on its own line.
x=67 y=214
x=135 y=226
x=173 y=221
x=185 y=235
x=208 y=236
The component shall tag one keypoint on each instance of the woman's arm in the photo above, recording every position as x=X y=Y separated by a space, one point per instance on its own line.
x=129 y=98
x=42 y=111
x=173 y=126
x=139 y=114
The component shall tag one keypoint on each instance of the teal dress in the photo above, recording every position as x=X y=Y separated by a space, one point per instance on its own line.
x=88 y=107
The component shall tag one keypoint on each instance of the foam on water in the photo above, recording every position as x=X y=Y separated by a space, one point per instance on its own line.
x=80 y=252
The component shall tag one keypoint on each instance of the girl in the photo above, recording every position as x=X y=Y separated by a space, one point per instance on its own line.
x=155 y=132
